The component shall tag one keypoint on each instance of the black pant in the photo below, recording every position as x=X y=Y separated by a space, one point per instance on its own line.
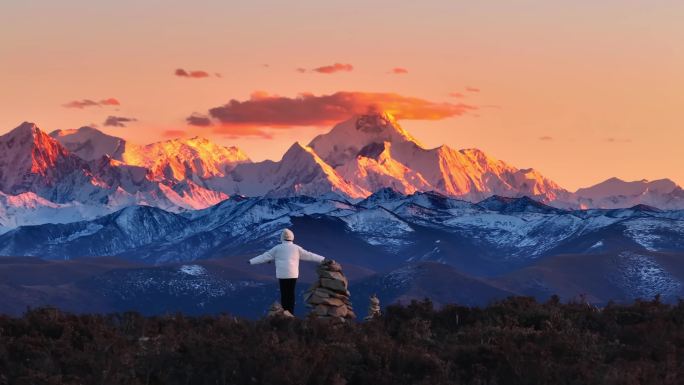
x=287 y=293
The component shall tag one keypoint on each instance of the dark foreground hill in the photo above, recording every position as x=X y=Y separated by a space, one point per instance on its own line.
x=515 y=341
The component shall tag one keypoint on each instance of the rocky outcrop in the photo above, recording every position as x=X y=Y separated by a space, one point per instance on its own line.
x=373 y=308
x=276 y=310
x=329 y=295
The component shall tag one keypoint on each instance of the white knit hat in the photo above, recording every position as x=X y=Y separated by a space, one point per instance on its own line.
x=287 y=235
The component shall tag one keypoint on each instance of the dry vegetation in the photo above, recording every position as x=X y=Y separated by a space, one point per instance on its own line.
x=516 y=341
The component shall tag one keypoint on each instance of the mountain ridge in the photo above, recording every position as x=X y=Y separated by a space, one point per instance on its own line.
x=86 y=168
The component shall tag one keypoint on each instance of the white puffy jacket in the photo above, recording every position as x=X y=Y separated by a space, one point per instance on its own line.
x=286 y=256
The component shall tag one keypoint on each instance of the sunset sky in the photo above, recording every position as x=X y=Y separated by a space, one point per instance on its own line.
x=580 y=90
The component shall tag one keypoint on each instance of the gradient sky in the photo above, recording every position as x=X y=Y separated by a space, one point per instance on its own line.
x=580 y=90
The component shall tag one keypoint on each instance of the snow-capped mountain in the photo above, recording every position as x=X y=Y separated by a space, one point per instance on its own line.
x=31 y=161
x=373 y=151
x=300 y=172
x=195 y=159
x=89 y=172
x=30 y=209
x=91 y=144
x=615 y=192
x=36 y=168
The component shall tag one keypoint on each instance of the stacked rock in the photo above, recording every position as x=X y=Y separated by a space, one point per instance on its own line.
x=329 y=295
x=373 y=308
x=276 y=310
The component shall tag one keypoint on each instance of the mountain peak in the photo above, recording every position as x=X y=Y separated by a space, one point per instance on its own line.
x=298 y=152
x=30 y=160
x=382 y=124
x=300 y=172
x=90 y=143
x=616 y=186
x=386 y=194
x=85 y=130
x=23 y=130
x=519 y=204
x=375 y=122
x=28 y=134
x=647 y=208
x=617 y=193
x=295 y=148
x=346 y=139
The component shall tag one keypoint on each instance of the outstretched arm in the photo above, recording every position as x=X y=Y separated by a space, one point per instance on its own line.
x=309 y=256
x=263 y=258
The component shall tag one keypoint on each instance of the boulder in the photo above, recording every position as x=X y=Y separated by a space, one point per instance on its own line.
x=276 y=310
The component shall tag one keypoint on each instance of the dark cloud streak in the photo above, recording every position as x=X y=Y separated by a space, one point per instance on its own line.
x=198 y=120
x=84 y=103
x=118 y=121
x=198 y=74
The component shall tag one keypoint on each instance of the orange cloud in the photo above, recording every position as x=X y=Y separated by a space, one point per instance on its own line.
x=239 y=131
x=399 y=71
x=81 y=104
x=191 y=74
x=546 y=138
x=173 y=133
x=110 y=102
x=472 y=89
x=329 y=69
x=251 y=116
x=456 y=95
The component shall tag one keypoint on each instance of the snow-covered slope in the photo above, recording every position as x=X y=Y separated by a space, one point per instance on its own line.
x=384 y=230
x=31 y=161
x=615 y=193
x=90 y=144
x=373 y=151
x=38 y=169
x=29 y=209
x=194 y=159
x=300 y=172
x=374 y=169
x=132 y=185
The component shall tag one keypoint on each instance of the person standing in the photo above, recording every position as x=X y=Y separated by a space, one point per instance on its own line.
x=287 y=256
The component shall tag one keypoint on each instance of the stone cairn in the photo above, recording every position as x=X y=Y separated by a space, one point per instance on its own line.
x=373 y=308
x=276 y=310
x=329 y=295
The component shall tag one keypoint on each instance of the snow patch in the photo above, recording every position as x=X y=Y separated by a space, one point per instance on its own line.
x=641 y=276
x=400 y=277
x=194 y=270
x=92 y=228
x=648 y=232
x=596 y=245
